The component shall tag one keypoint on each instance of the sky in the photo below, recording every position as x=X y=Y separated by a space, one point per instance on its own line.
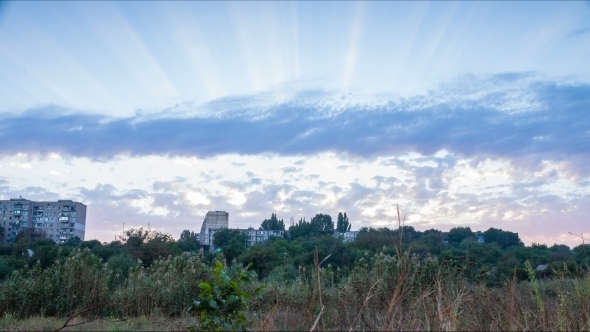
x=152 y=113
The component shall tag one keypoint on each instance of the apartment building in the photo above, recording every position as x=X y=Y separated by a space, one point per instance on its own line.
x=214 y=221
x=260 y=235
x=346 y=236
x=217 y=220
x=58 y=221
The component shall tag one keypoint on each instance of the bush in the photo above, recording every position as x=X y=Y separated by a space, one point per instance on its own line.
x=223 y=302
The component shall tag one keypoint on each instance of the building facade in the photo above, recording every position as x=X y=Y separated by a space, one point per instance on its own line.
x=346 y=236
x=217 y=220
x=59 y=221
x=214 y=221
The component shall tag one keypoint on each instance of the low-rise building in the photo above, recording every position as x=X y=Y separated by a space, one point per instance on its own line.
x=346 y=236
x=480 y=238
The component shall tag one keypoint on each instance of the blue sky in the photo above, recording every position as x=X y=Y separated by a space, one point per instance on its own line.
x=464 y=113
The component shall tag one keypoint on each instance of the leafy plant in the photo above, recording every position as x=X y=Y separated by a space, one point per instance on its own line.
x=223 y=302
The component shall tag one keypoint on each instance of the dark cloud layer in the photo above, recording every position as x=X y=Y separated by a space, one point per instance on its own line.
x=558 y=128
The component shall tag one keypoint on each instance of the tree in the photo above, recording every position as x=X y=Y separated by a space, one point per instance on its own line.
x=73 y=241
x=322 y=224
x=187 y=235
x=30 y=234
x=300 y=229
x=273 y=224
x=149 y=245
x=188 y=241
x=342 y=225
x=231 y=241
x=504 y=239
x=222 y=237
x=458 y=234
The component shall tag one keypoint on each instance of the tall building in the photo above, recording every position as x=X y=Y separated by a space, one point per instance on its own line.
x=58 y=221
x=214 y=220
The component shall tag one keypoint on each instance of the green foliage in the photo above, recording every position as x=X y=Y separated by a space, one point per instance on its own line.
x=273 y=224
x=73 y=242
x=120 y=265
x=322 y=224
x=342 y=225
x=223 y=301
x=188 y=241
x=301 y=229
x=10 y=264
x=231 y=241
x=458 y=234
x=148 y=246
x=504 y=239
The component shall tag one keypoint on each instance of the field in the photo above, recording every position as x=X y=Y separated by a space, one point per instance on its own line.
x=382 y=292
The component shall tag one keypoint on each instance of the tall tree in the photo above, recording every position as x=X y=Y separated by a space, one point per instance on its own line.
x=300 y=229
x=342 y=225
x=322 y=224
x=273 y=224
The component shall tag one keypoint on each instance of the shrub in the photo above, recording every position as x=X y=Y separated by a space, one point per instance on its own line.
x=223 y=302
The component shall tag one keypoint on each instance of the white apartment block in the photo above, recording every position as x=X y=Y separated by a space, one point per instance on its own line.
x=58 y=221
x=346 y=236
x=216 y=220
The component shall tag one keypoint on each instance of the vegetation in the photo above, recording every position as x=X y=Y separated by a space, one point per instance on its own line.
x=388 y=279
x=273 y=224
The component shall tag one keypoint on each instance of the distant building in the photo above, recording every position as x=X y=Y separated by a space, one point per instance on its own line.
x=258 y=236
x=346 y=236
x=217 y=220
x=214 y=221
x=479 y=235
x=59 y=221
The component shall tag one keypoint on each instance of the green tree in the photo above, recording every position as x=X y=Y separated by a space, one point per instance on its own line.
x=342 y=225
x=188 y=241
x=504 y=239
x=322 y=224
x=273 y=224
x=301 y=229
x=231 y=241
x=149 y=245
x=458 y=234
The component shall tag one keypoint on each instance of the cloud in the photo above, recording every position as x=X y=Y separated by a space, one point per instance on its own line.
x=579 y=32
x=524 y=117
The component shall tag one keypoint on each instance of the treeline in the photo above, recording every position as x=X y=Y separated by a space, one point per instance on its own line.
x=502 y=255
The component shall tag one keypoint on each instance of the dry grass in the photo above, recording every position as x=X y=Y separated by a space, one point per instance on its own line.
x=142 y=323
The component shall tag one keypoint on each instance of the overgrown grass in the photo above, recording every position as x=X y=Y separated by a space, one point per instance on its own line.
x=382 y=292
